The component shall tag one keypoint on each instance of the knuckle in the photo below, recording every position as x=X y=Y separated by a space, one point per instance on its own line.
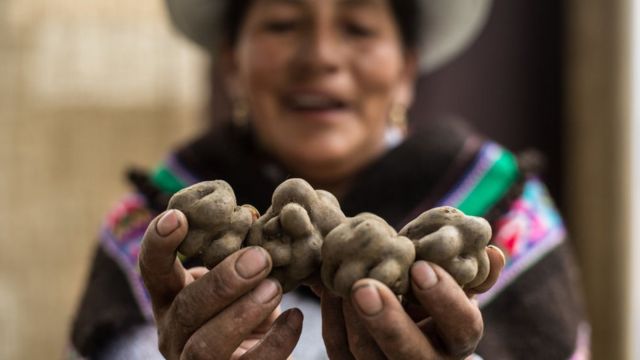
x=183 y=310
x=198 y=350
x=354 y=345
x=391 y=332
x=223 y=285
x=245 y=312
x=464 y=342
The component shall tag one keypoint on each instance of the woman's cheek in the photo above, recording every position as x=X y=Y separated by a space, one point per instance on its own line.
x=264 y=61
x=378 y=66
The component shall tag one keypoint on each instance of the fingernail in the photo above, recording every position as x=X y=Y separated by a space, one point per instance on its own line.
x=251 y=263
x=293 y=317
x=504 y=259
x=368 y=299
x=423 y=275
x=168 y=223
x=266 y=291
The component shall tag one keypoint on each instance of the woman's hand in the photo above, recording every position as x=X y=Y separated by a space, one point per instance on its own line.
x=374 y=325
x=228 y=312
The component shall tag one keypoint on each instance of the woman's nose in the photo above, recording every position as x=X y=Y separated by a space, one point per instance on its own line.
x=319 y=51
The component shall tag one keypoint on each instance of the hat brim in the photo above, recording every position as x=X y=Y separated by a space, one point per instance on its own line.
x=448 y=26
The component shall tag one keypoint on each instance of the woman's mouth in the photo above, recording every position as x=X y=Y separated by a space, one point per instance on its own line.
x=314 y=102
x=316 y=106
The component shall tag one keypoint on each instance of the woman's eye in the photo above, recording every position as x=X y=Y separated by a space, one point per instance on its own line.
x=359 y=30
x=280 y=26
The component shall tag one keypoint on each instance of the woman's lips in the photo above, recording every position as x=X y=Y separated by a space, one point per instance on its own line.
x=314 y=102
x=316 y=106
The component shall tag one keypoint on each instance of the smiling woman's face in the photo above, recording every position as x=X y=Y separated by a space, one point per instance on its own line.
x=320 y=78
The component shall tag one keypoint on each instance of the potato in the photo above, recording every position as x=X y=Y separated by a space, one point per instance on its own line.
x=306 y=234
x=217 y=226
x=457 y=242
x=365 y=246
x=293 y=230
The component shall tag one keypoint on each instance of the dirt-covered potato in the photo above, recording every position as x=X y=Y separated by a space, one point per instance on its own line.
x=365 y=246
x=456 y=242
x=293 y=230
x=217 y=226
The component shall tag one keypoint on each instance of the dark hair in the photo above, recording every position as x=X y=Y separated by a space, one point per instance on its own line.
x=406 y=14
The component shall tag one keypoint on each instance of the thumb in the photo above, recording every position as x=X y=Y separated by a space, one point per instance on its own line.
x=161 y=271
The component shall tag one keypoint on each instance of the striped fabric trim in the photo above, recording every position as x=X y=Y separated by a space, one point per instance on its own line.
x=492 y=174
x=531 y=229
x=124 y=228
x=121 y=237
x=172 y=177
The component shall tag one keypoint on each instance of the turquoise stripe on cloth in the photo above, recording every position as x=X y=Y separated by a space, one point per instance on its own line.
x=166 y=180
x=494 y=171
x=171 y=176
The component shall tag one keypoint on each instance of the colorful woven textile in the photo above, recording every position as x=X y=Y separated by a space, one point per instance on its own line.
x=121 y=237
x=530 y=229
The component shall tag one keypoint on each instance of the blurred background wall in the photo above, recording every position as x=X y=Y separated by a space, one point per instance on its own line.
x=598 y=183
x=88 y=88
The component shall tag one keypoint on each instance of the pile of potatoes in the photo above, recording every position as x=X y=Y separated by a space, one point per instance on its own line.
x=307 y=234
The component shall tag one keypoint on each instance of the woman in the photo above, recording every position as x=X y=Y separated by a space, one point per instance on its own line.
x=320 y=88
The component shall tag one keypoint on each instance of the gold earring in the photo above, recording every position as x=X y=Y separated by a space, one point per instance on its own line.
x=240 y=113
x=398 y=117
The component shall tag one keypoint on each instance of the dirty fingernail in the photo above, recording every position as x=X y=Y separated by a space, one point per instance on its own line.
x=423 y=275
x=368 y=299
x=251 y=263
x=168 y=223
x=293 y=317
x=266 y=291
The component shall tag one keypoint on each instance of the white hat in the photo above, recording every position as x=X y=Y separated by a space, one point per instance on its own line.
x=448 y=26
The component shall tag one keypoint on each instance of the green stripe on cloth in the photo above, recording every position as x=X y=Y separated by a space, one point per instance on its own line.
x=166 y=180
x=492 y=186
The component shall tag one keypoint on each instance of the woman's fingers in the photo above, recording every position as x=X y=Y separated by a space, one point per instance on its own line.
x=203 y=299
x=393 y=330
x=281 y=339
x=162 y=272
x=361 y=344
x=197 y=272
x=334 y=332
x=496 y=264
x=457 y=320
x=268 y=322
x=219 y=337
